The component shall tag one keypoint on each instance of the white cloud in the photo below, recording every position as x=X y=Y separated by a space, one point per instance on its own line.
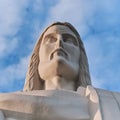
x=7 y=46
x=11 y=15
x=10 y=21
x=76 y=12
x=13 y=73
x=38 y=6
x=97 y=82
x=103 y=54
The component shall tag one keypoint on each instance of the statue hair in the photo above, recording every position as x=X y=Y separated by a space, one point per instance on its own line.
x=33 y=80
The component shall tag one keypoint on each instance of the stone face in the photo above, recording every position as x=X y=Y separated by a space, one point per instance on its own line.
x=60 y=53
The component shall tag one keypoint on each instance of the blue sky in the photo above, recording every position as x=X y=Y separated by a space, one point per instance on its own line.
x=97 y=21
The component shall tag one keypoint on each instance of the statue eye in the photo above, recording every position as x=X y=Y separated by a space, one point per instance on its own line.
x=70 y=39
x=50 y=39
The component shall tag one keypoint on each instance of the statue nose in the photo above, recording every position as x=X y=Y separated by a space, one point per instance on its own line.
x=60 y=42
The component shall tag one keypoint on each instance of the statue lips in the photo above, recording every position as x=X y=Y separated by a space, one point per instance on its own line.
x=59 y=52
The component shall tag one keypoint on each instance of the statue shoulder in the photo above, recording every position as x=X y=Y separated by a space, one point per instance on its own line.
x=102 y=101
x=109 y=101
x=109 y=95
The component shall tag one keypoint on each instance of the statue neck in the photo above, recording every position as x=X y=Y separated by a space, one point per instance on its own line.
x=58 y=82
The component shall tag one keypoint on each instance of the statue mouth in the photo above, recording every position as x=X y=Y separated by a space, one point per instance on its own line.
x=58 y=52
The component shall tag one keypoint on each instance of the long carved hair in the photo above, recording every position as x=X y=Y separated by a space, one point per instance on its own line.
x=33 y=80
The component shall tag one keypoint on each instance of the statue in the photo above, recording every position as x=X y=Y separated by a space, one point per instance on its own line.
x=58 y=84
x=39 y=65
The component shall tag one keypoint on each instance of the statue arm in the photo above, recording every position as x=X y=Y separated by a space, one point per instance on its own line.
x=44 y=104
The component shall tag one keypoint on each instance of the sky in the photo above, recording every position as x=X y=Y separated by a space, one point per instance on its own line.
x=97 y=21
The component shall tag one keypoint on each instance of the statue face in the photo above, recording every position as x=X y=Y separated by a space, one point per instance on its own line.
x=59 y=53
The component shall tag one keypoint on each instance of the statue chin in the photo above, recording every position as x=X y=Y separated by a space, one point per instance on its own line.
x=58 y=66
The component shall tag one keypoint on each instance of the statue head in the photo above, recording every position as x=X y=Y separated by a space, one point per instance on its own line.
x=58 y=55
